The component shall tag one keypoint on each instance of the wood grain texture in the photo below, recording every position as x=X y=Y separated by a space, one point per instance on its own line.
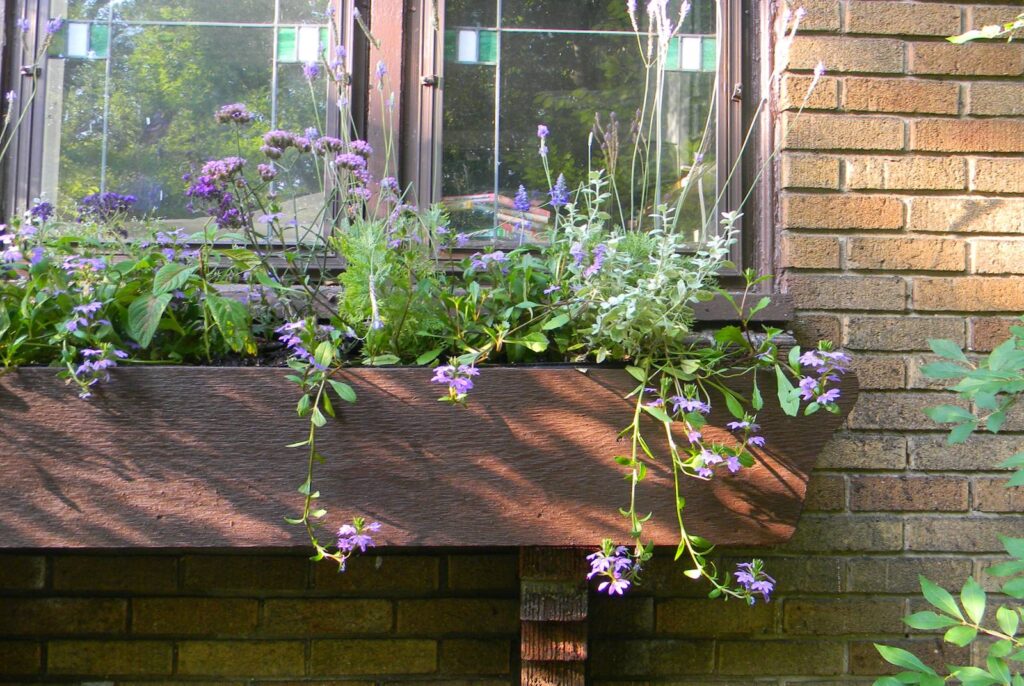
x=553 y=641
x=553 y=674
x=194 y=457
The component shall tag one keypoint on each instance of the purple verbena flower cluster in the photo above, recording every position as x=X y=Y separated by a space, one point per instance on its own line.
x=235 y=113
x=40 y=212
x=212 y=190
x=103 y=207
x=616 y=568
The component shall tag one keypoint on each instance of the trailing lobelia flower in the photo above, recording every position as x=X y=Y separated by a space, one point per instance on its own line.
x=754 y=581
x=315 y=357
x=95 y=367
x=615 y=566
x=353 y=536
x=459 y=378
x=820 y=371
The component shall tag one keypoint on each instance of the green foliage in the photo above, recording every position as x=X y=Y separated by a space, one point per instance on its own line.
x=989 y=387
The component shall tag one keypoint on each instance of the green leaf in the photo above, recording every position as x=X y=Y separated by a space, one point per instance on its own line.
x=735 y=408
x=1013 y=546
x=144 y=316
x=998 y=669
x=243 y=258
x=657 y=413
x=756 y=401
x=961 y=635
x=555 y=322
x=382 y=360
x=761 y=304
x=973 y=599
x=317 y=418
x=903 y=658
x=730 y=334
x=789 y=400
x=943 y=370
x=939 y=597
x=534 y=341
x=948 y=349
x=233 y=322
x=887 y=681
x=637 y=373
x=5 y=320
x=324 y=354
x=1016 y=460
x=172 y=276
x=961 y=432
x=1014 y=588
x=343 y=390
x=1008 y=620
x=429 y=356
x=974 y=676
x=1016 y=480
x=929 y=620
x=945 y=414
x=794 y=357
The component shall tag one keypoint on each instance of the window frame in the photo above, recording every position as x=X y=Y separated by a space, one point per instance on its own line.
x=746 y=65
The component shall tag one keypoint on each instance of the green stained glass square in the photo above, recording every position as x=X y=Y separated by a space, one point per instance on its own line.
x=488 y=42
x=287 y=44
x=709 y=55
x=324 y=40
x=672 y=58
x=99 y=40
x=451 y=48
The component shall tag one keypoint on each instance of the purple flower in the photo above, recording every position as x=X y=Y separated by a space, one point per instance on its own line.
x=681 y=404
x=542 y=133
x=348 y=160
x=752 y=579
x=311 y=70
x=461 y=240
x=381 y=72
x=105 y=206
x=560 y=193
x=694 y=436
x=578 y=253
x=811 y=358
x=522 y=200
x=22 y=24
x=736 y=426
x=41 y=211
x=808 y=385
x=710 y=457
x=483 y=261
x=267 y=172
x=552 y=288
x=236 y=113
x=458 y=379
x=279 y=139
x=756 y=441
x=53 y=25
x=37 y=255
x=615 y=566
x=600 y=252
x=828 y=397
x=299 y=338
x=224 y=169
x=10 y=97
x=733 y=463
x=352 y=537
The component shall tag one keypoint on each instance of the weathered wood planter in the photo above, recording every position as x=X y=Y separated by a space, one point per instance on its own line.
x=167 y=457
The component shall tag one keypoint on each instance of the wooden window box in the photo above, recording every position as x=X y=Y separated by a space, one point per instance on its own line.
x=194 y=457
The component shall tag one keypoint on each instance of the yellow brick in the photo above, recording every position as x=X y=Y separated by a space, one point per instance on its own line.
x=963 y=135
x=842 y=54
x=810 y=252
x=821 y=211
x=862 y=94
x=1005 y=99
x=810 y=171
x=906 y=173
x=842 y=132
x=922 y=254
x=969 y=294
x=998 y=257
x=999 y=175
x=902 y=18
x=972 y=59
x=967 y=215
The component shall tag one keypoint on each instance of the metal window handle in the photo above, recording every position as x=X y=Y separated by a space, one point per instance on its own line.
x=429 y=81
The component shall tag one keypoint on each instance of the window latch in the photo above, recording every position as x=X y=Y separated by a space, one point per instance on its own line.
x=31 y=70
x=430 y=81
x=737 y=92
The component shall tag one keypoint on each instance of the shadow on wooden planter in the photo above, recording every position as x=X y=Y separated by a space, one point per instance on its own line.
x=170 y=457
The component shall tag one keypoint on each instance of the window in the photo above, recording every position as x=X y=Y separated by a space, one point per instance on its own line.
x=128 y=91
x=127 y=95
x=480 y=75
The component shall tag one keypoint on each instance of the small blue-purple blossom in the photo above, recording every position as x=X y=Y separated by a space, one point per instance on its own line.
x=559 y=193
x=481 y=261
x=54 y=25
x=235 y=113
x=458 y=378
x=752 y=578
x=600 y=252
x=22 y=24
x=311 y=70
x=522 y=200
x=681 y=404
x=298 y=338
x=355 y=536
x=104 y=206
x=578 y=253
x=615 y=566
x=41 y=211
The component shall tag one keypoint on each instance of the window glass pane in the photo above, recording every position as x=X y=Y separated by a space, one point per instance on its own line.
x=468 y=169
x=576 y=67
x=304 y=11
x=165 y=83
x=247 y=11
x=465 y=13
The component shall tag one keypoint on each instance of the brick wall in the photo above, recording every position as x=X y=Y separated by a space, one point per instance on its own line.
x=233 y=619
x=901 y=211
